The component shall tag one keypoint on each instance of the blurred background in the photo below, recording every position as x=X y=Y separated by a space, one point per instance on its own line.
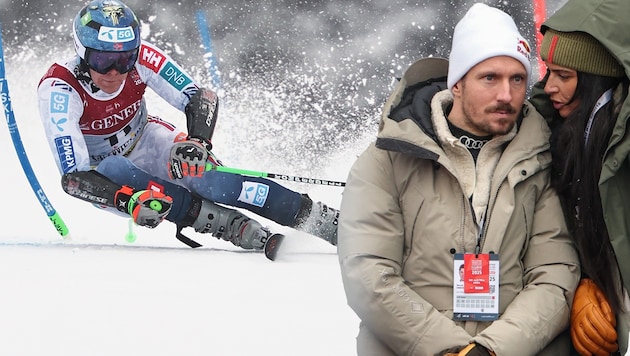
x=300 y=81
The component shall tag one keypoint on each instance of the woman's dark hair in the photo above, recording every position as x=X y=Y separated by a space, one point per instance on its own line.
x=577 y=168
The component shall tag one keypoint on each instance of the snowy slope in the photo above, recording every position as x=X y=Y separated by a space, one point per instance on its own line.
x=130 y=301
x=57 y=298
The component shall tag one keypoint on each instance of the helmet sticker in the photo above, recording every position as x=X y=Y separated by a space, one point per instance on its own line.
x=85 y=19
x=113 y=11
x=113 y=34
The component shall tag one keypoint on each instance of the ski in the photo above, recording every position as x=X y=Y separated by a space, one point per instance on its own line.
x=95 y=188
x=272 y=245
x=270 y=249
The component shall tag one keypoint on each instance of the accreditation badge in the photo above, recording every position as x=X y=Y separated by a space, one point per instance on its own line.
x=476 y=286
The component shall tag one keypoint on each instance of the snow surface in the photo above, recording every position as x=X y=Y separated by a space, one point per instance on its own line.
x=62 y=297
x=82 y=296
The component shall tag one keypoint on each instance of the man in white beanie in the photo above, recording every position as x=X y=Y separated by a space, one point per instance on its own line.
x=459 y=175
x=482 y=33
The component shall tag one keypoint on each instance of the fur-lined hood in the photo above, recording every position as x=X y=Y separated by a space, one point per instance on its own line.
x=414 y=122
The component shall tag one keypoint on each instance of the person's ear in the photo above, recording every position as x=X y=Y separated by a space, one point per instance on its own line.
x=456 y=89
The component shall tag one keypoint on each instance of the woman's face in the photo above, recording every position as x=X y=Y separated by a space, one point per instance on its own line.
x=561 y=86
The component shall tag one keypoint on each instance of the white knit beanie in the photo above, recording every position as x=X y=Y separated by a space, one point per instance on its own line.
x=482 y=33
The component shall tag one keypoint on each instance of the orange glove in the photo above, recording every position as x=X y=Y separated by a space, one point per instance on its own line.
x=592 y=321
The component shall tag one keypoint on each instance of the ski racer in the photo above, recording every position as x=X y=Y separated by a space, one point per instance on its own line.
x=112 y=153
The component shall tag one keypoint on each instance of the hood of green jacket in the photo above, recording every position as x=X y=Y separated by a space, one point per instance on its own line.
x=608 y=21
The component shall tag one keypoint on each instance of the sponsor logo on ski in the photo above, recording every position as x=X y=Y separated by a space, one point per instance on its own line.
x=151 y=58
x=174 y=76
x=254 y=193
x=65 y=151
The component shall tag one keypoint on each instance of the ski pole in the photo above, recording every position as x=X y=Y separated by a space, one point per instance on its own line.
x=204 y=33
x=245 y=172
x=54 y=217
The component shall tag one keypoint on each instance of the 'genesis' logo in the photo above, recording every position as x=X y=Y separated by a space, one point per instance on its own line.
x=115 y=120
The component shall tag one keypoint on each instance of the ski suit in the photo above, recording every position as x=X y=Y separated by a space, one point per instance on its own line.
x=113 y=133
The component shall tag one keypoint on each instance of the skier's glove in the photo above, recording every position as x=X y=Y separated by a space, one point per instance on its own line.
x=188 y=158
x=147 y=207
x=468 y=350
x=592 y=321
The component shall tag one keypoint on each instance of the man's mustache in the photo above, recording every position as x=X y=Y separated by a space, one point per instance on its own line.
x=503 y=108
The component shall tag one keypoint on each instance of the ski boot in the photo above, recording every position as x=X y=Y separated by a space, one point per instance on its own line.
x=318 y=219
x=230 y=225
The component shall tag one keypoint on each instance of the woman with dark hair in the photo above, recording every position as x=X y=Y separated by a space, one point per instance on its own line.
x=584 y=98
x=579 y=147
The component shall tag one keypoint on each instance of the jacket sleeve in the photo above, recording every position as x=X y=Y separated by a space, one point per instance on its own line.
x=540 y=312
x=370 y=247
x=165 y=77
x=60 y=109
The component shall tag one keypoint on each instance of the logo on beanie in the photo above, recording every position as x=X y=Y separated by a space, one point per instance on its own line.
x=523 y=48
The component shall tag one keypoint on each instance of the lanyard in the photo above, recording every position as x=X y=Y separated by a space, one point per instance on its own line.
x=603 y=100
x=481 y=232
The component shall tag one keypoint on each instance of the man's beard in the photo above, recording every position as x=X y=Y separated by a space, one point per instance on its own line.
x=488 y=127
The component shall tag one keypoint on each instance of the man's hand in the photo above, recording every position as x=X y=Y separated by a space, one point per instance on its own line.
x=592 y=321
x=188 y=158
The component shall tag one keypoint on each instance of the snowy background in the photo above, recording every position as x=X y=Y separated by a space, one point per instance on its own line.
x=301 y=84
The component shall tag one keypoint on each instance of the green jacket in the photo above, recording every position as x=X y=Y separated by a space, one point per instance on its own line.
x=609 y=22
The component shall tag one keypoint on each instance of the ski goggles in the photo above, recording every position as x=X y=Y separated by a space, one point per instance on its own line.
x=102 y=61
